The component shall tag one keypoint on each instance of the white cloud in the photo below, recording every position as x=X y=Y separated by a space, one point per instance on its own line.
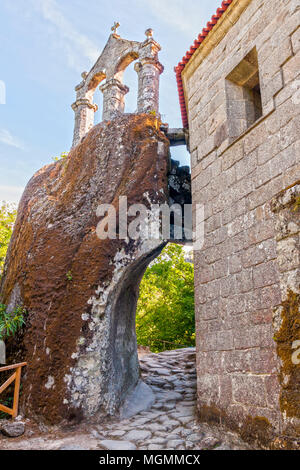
x=182 y=15
x=11 y=193
x=8 y=139
x=74 y=44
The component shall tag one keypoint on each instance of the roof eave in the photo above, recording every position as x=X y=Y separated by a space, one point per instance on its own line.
x=206 y=41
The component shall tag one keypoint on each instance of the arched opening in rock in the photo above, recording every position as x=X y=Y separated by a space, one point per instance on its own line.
x=98 y=100
x=159 y=286
x=123 y=333
x=126 y=76
x=130 y=79
x=94 y=308
x=125 y=389
x=120 y=373
x=165 y=311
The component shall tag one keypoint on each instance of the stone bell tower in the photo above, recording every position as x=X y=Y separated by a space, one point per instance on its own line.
x=109 y=68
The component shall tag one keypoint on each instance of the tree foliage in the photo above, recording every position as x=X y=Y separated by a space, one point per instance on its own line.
x=165 y=312
x=62 y=156
x=10 y=322
x=8 y=215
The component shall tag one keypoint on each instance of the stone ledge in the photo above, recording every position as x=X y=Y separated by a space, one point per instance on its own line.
x=227 y=144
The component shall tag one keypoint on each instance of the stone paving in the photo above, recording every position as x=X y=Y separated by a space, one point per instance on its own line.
x=168 y=424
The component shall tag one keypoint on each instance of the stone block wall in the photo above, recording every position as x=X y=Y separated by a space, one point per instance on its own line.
x=286 y=317
x=240 y=274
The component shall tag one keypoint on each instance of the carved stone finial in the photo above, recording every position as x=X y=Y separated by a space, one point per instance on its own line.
x=115 y=27
x=149 y=33
x=116 y=56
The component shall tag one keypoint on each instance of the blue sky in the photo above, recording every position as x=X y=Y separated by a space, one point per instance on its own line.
x=46 y=44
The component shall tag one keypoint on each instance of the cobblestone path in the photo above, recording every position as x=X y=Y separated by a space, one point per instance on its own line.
x=169 y=423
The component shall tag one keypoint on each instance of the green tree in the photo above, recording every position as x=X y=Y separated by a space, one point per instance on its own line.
x=10 y=322
x=8 y=215
x=165 y=310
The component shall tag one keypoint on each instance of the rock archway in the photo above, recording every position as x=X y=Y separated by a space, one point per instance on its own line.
x=80 y=292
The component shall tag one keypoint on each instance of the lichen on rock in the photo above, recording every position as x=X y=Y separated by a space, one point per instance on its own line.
x=79 y=339
x=289 y=375
x=286 y=317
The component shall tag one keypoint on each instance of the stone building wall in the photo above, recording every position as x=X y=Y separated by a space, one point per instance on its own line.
x=286 y=317
x=242 y=157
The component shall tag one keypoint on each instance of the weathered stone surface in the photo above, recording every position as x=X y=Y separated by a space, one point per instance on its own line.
x=138 y=435
x=223 y=447
x=155 y=447
x=72 y=447
x=144 y=430
x=140 y=399
x=287 y=315
x=174 y=443
x=154 y=427
x=114 y=59
x=80 y=292
x=12 y=429
x=170 y=396
x=248 y=269
x=177 y=136
x=208 y=443
x=117 y=445
x=118 y=433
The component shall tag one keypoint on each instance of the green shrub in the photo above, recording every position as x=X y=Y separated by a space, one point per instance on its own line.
x=8 y=215
x=10 y=322
x=9 y=403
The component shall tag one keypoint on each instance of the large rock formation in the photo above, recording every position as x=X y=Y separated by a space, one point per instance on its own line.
x=80 y=292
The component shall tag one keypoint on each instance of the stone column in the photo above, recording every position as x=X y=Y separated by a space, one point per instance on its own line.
x=113 y=98
x=84 y=118
x=149 y=69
